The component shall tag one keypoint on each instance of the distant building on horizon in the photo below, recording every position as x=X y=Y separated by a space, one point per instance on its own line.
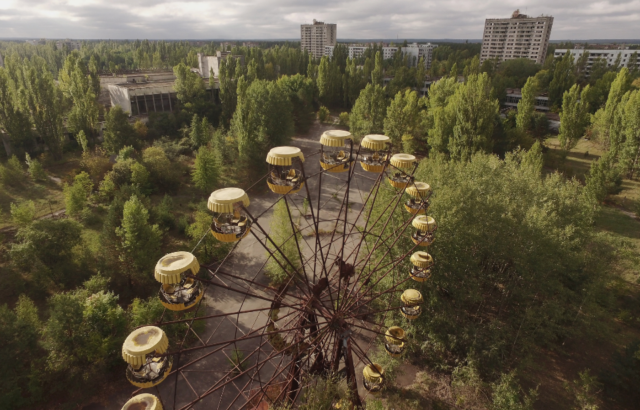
x=415 y=51
x=315 y=37
x=70 y=44
x=520 y=36
x=206 y=64
x=624 y=58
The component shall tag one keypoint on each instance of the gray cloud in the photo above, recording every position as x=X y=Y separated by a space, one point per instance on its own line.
x=253 y=19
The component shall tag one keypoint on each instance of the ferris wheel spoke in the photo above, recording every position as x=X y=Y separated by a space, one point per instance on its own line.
x=258 y=365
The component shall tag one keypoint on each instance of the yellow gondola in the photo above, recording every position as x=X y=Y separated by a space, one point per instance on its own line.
x=395 y=344
x=412 y=300
x=426 y=227
x=422 y=263
x=144 y=401
x=230 y=223
x=419 y=203
x=374 y=152
x=284 y=178
x=142 y=350
x=177 y=291
x=335 y=156
x=373 y=377
x=402 y=163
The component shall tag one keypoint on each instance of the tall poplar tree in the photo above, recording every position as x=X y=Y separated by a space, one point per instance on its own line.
x=527 y=105
x=574 y=117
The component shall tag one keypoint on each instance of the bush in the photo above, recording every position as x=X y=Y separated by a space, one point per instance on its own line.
x=164 y=173
x=507 y=395
x=12 y=173
x=323 y=113
x=35 y=169
x=96 y=163
x=23 y=213
x=343 y=119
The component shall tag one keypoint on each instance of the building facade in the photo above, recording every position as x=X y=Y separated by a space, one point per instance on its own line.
x=206 y=64
x=520 y=36
x=415 y=52
x=314 y=37
x=626 y=57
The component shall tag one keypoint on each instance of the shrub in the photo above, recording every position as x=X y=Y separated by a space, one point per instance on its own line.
x=343 y=119
x=323 y=113
x=35 y=169
x=12 y=173
x=23 y=213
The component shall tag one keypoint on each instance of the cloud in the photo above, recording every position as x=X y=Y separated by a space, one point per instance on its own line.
x=253 y=19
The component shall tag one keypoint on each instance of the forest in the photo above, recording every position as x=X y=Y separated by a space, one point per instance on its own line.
x=538 y=242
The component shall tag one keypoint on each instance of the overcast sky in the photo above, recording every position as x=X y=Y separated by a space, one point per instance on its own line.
x=253 y=19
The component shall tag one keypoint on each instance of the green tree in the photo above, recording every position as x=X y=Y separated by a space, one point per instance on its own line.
x=228 y=87
x=77 y=194
x=118 y=132
x=278 y=270
x=41 y=97
x=404 y=117
x=527 y=105
x=263 y=119
x=368 y=113
x=35 y=169
x=23 y=213
x=19 y=332
x=630 y=152
x=200 y=232
x=14 y=121
x=574 y=117
x=475 y=112
x=199 y=132
x=50 y=251
x=206 y=169
x=80 y=93
x=377 y=73
x=139 y=241
x=604 y=118
x=163 y=174
x=539 y=211
x=302 y=92
x=83 y=332
x=563 y=78
x=439 y=121
x=189 y=86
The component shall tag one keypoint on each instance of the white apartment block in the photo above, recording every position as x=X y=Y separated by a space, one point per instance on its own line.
x=415 y=51
x=315 y=37
x=610 y=56
x=520 y=36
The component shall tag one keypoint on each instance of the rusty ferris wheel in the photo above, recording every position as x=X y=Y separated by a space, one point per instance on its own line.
x=324 y=319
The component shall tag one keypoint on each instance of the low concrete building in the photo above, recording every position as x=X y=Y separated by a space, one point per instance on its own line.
x=142 y=98
x=132 y=77
x=415 y=52
x=610 y=56
x=514 y=95
x=208 y=63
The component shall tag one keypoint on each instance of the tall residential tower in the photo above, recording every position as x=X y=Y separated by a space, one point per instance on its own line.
x=520 y=36
x=314 y=37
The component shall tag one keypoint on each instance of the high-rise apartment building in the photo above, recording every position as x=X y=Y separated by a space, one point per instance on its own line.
x=314 y=37
x=520 y=36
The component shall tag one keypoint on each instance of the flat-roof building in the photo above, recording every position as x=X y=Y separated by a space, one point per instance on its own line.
x=315 y=37
x=415 y=52
x=208 y=63
x=520 y=36
x=610 y=56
